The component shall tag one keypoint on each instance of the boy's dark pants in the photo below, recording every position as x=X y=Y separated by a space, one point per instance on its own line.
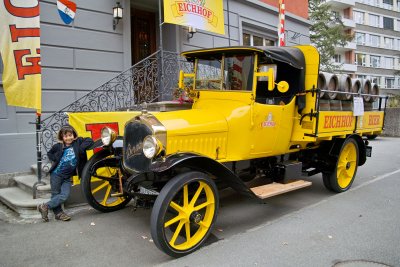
x=60 y=190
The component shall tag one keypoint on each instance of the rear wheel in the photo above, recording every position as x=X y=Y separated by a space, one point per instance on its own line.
x=184 y=213
x=100 y=181
x=342 y=177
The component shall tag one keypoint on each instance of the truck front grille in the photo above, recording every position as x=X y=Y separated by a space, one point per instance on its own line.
x=134 y=159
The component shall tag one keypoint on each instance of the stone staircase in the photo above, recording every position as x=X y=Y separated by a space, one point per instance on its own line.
x=18 y=194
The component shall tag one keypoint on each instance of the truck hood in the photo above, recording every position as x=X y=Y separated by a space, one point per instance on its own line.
x=192 y=122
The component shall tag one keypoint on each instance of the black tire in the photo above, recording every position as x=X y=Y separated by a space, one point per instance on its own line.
x=372 y=137
x=98 y=191
x=197 y=214
x=342 y=177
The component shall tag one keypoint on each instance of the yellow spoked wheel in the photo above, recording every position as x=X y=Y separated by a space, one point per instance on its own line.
x=184 y=213
x=342 y=177
x=100 y=183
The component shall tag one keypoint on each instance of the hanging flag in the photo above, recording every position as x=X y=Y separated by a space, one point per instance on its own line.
x=206 y=15
x=281 y=25
x=20 y=52
x=67 y=10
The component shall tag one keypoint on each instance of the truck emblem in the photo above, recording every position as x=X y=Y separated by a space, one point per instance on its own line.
x=268 y=121
x=133 y=150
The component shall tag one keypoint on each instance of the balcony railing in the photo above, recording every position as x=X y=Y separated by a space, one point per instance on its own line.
x=143 y=82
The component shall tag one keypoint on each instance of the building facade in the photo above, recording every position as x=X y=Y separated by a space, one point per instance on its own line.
x=80 y=57
x=378 y=42
x=375 y=51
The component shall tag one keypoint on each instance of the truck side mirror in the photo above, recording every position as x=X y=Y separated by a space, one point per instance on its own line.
x=182 y=77
x=267 y=73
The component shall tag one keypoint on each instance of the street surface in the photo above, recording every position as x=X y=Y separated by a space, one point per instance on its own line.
x=308 y=227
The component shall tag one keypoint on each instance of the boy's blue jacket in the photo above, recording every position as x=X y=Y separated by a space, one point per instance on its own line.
x=80 y=145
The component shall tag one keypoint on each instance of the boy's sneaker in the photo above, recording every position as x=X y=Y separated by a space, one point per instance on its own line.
x=62 y=216
x=44 y=211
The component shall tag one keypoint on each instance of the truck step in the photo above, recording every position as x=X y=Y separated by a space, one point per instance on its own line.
x=273 y=189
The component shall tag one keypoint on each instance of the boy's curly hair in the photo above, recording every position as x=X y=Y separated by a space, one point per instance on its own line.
x=66 y=129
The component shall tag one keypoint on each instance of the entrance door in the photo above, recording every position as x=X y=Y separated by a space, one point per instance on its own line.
x=143 y=45
x=143 y=34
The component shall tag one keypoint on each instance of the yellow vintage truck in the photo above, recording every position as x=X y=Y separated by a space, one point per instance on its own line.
x=252 y=116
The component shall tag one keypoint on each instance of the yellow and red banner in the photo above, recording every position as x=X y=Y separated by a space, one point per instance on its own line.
x=206 y=15
x=20 y=52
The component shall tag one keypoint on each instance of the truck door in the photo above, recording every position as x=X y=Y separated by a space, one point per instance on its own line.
x=272 y=128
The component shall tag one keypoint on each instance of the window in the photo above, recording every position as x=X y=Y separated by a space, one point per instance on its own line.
x=388 y=4
x=388 y=23
x=360 y=38
x=373 y=20
x=389 y=43
x=256 y=40
x=374 y=40
x=360 y=59
x=336 y=15
x=389 y=82
x=375 y=61
x=337 y=58
x=235 y=76
x=388 y=62
x=375 y=79
x=358 y=17
x=246 y=39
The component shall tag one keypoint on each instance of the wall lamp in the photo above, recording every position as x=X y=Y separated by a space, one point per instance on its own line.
x=191 y=31
x=117 y=14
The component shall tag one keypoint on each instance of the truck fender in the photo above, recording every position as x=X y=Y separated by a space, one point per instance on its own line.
x=337 y=145
x=203 y=164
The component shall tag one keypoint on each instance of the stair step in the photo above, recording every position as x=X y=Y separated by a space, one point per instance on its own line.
x=273 y=189
x=26 y=182
x=21 y=202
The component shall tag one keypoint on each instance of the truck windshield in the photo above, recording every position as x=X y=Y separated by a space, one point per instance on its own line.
x=225 y=73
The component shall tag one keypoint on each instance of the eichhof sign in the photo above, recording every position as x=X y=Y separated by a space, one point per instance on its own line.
x=206 y=15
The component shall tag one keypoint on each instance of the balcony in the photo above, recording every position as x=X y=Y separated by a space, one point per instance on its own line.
x=341 y=4
x=348 y=68
x=349 y=23
x=350 y=46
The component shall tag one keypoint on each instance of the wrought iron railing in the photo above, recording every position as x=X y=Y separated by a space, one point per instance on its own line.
x=143 y=82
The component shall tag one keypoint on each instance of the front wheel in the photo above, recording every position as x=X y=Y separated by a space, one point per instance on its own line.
x=342 y=177
x=100 y=180
x=184 y=213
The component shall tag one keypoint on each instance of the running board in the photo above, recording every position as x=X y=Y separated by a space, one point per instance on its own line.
x=270 y=190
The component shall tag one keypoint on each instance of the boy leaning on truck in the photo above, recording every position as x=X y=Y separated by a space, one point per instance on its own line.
x=67 y=156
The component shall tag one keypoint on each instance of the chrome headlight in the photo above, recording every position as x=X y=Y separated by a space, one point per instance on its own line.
x=108 y=136
x=151 y=146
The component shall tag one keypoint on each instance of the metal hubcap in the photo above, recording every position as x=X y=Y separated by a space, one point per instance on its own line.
x=196 y=217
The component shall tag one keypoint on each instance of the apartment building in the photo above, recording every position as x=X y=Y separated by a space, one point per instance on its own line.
x=375 y=51
x=83 y=55
x=377 y=36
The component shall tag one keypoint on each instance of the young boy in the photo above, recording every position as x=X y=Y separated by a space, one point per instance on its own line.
x=67 y=156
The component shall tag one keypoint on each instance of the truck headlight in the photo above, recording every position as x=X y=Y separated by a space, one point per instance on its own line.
x=151 y=146
x=108 y=136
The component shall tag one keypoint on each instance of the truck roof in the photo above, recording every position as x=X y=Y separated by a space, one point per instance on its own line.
x=290 y=55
